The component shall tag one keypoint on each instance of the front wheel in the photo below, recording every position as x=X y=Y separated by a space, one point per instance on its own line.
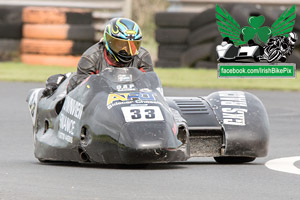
x=233 y=160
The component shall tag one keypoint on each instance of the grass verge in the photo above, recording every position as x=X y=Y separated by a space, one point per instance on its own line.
x=170 y=77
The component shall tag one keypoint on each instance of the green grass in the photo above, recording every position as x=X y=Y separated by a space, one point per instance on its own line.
x=170 y=77
x=15 y=71
x=204 y=78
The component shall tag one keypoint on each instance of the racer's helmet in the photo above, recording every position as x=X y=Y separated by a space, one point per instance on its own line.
x=293 y=37
x=122 y=39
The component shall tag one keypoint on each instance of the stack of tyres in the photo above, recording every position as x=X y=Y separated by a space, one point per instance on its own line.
x=191 y=40
x=203 y=39
x=171 y=34
x=10 y=32
x=55 y=36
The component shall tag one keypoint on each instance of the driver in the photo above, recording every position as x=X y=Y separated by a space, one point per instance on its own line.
x=119 y=47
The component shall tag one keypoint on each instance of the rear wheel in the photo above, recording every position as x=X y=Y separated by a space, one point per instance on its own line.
x=42 y=160
x=233 y=160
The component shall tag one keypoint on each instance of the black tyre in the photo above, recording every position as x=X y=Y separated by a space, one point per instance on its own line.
x=206 y=65
x=171 y=51
x=11 y=31
x=9 y=49
x=203 y=34
x=196 y=53
x=173 y=19
x=206 y=17
x=242 y=12
x=10 y=15
x=44 y=161
x=294 y=58
x=171 y=35
x=9 y=45
x=233 y=160
x=273 y=56
x=164 y=63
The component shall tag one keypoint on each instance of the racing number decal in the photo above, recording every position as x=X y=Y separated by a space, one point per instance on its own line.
x=151 y=114
x=142 y=113
x=136 y=114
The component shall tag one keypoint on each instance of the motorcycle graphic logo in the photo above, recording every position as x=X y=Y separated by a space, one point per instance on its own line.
x=256 y=41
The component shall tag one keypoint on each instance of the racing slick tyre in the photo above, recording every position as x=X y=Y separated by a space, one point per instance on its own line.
x=173 y=19
x=233 y=160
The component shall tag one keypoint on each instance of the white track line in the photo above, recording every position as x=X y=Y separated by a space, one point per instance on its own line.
x=284 y=165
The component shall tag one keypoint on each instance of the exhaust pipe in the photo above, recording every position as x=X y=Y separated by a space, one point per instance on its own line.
x=83 y=155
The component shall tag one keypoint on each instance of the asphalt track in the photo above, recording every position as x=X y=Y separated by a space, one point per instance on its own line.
x=23 y=177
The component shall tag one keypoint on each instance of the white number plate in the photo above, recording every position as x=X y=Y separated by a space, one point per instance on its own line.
x=142 y=113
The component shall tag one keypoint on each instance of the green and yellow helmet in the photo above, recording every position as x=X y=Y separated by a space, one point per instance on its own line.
x=122 y=39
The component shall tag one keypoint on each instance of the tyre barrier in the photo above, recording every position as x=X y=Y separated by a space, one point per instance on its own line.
x=59 y=32
x=10 y=32
x=54 y=47
x=191 y=39
x=173 y=19
x=9 y=49
x=50 y=60
x=50 y=15
x=55 y=36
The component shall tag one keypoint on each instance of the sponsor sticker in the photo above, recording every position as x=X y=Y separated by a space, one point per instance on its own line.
x=125 y=88
x=234 y=107
x=114 y=99
x=72 y=112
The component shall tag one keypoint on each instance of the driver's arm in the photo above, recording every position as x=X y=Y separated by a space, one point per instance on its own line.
x=144 y=60
x=85 y=68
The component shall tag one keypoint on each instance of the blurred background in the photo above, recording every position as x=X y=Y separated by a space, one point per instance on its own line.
x=178 y=33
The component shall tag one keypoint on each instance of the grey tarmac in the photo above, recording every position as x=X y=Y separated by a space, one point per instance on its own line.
x=23 y=177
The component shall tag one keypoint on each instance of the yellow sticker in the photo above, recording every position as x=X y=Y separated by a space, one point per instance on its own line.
x=88 y=86
x=117 y=97
x=130 y=32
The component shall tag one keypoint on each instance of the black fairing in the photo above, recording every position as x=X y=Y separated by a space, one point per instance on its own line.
x=120 y=116
x=92 y=122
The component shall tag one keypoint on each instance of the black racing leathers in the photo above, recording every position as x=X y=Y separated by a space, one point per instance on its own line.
x=93 y=61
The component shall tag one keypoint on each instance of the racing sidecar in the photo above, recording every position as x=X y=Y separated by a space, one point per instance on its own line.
x=121 y=116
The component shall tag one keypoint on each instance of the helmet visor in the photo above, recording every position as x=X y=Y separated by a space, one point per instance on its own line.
x=120 y=46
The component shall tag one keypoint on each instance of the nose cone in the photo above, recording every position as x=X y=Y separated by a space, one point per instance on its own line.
x=148 y=143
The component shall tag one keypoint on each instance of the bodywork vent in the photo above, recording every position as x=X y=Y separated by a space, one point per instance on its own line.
x=192 y=106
